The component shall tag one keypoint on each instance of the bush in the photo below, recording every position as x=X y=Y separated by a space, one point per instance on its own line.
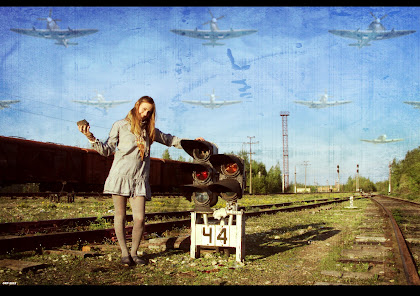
x=405 y=174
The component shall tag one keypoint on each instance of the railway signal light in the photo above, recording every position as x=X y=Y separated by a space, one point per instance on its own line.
x=338 y=168
x=203 y=174
x=213 y=175
x=232 y=180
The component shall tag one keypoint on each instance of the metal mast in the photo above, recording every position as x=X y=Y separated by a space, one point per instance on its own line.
x=284 y=115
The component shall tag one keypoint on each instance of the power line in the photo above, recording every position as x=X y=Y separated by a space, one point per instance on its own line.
x=48 y=104
x=305 y=163
x=39 y=114
x=51 y=105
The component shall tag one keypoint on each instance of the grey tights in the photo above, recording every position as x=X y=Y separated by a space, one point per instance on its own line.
x=138 y=208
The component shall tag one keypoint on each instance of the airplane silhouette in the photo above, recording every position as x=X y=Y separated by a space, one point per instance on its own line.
x=54 y=32
x=376 y=31
x=322 y=103
x=6 y=103
x=214 y=33
x=99 y=102
x=382 y=140
x=413 y=103
x=212 y=103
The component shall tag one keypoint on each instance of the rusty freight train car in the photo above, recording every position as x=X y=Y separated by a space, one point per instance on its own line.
x=58 y=167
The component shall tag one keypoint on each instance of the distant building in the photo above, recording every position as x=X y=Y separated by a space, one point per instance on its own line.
x=329 y=188
x=303 y=190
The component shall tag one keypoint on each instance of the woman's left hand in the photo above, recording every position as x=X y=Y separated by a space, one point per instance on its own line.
x=200 y=139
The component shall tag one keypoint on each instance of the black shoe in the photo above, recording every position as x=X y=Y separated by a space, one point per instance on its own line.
x=139 y=261
x=128 y=261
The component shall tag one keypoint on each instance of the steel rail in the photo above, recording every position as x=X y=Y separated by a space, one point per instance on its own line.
x=51 y=240
x=283 y=204
x=34 y=226
x=40 y=225
x=407 y=260
x=400 y=199
x=295 y=208
x=63 y=194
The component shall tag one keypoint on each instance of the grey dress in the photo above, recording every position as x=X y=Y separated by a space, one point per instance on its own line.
x=129 y=174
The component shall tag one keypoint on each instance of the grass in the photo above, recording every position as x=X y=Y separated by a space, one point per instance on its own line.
x=38 y=208
x=281 y=249
x=396 y=213
x=409 y=196
x=24 y=209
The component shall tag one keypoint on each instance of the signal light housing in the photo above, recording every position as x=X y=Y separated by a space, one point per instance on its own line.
x=204 y=200
x=203 y=174
x=232 y=179
x=200 y=151
x=213 y=175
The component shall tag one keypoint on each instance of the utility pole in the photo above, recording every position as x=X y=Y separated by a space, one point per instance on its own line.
x=338 y=173
x=357 y=178
x=282 y=183
x=284 y=115
x=305 y=163
x=295 y=181
x=250 y=161
x=389 y=187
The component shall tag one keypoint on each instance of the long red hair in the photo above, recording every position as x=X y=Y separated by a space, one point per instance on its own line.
x=133 y=117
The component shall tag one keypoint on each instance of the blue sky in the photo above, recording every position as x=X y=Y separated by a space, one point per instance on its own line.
x=291 y=57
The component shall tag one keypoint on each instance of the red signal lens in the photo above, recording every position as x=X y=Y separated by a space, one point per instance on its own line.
x=230 y=168
x=202 y=176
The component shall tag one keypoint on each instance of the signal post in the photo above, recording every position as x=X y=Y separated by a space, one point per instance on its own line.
x=226 y=234
x=215 y=175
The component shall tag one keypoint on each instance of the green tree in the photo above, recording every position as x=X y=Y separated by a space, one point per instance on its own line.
x=274 y=180
x=180 y=158
x=382 y=186
x=259 y=173
x=166 y=155
x=365 y=184
x=405 y=174
x=263 y=182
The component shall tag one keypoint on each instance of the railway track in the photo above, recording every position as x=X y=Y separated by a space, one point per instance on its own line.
x=404 y=218
x=69 y=196
x=49 y=233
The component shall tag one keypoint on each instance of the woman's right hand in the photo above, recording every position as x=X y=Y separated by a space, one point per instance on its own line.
x=84 y=129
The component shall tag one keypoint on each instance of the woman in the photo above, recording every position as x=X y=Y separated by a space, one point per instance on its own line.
x=129 y=174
